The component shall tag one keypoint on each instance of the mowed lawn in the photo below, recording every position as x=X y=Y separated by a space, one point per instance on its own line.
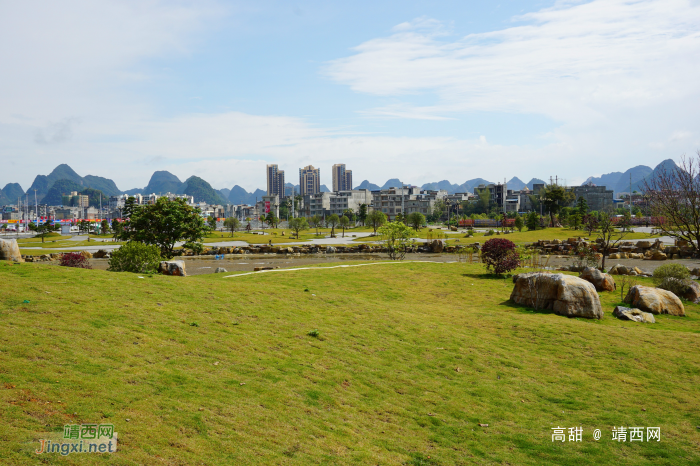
x=408 y=360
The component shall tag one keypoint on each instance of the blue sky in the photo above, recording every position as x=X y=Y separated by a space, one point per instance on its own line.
x=422 y=91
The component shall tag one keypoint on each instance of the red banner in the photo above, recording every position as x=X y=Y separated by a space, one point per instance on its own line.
x=267 y=207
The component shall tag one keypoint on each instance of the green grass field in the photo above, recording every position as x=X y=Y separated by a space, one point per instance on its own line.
x=408 y=360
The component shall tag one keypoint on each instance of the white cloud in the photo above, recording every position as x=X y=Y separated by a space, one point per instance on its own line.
x=572 y=62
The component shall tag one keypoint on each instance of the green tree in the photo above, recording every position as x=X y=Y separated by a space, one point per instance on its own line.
x=483 y=203
x=284 y=209
x=575 y=220
x=332 y=221
x=416 y=220
x=104 y=227
x=232 y=223
x=316 y=221
x=533 y=221
x=362 y=213
x=117 y=227
x=45 y=229
x=163 y=224
x=84 y=226
x=396 y=237
x=344 y=222
x=581 y=206
x=272 y=220
x=298 y=224
x=439 y=207
x=399 y=218
x=211 y=222
x=350 y=215
x=554 y=197
x=519 y=223
x=376 y=219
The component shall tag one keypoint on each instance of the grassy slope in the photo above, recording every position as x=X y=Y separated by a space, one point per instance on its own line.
x=401 y=374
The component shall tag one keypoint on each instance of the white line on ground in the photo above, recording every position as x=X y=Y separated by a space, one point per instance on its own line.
x=335 y=267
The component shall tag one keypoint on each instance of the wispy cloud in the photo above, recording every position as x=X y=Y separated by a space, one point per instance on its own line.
x=61 y=131
x=572 y=62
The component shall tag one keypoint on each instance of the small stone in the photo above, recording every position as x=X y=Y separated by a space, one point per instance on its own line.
x=220 y=270
x=627 y=313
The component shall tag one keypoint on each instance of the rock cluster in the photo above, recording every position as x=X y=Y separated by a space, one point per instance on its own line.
x=646 y=250
x=619 y=269
x=435 y=246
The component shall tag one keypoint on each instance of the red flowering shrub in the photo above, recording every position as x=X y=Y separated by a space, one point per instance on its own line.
x=499 y=255
x=74 y=259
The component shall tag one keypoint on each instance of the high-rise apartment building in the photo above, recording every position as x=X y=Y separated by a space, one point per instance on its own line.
x=342 y=178
x=309 y=180
x=275 y=181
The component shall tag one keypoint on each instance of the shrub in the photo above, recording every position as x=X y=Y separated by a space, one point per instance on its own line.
x=500 y=255
x=74 y=259
x=670 y=271
x=585 y=256
x=673 y=277
x=135 y=257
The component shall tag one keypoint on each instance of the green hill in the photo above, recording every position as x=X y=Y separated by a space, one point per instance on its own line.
x=10 y=193
x=202 y=191
x=107 y=186
x=411 y=364
x=42 y=183
x=54 y=196
x=162 y=182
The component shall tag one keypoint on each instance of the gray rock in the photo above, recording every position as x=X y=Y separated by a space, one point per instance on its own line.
x=220 y=270
x=655 y=300
x=175 y=268
x=564 y=294
x=601 y=281
x=330 y=250
x=9 y=250
x=628 y=313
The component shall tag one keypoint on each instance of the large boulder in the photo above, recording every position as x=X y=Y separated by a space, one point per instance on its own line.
x=655 y=300
x=176 y=268
x=627 y=313
x=9 y=250
x=563 y=294
x=601 y=281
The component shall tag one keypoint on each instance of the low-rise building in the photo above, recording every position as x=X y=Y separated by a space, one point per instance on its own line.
x=598 y=198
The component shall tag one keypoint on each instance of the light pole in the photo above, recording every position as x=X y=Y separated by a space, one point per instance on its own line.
x=448 y=203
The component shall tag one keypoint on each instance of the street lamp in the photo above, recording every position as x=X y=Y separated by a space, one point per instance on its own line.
x=448 y=203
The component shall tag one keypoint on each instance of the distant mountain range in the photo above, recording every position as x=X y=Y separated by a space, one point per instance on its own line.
x=42 y=183
x=163 y=181
x=620 y=182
